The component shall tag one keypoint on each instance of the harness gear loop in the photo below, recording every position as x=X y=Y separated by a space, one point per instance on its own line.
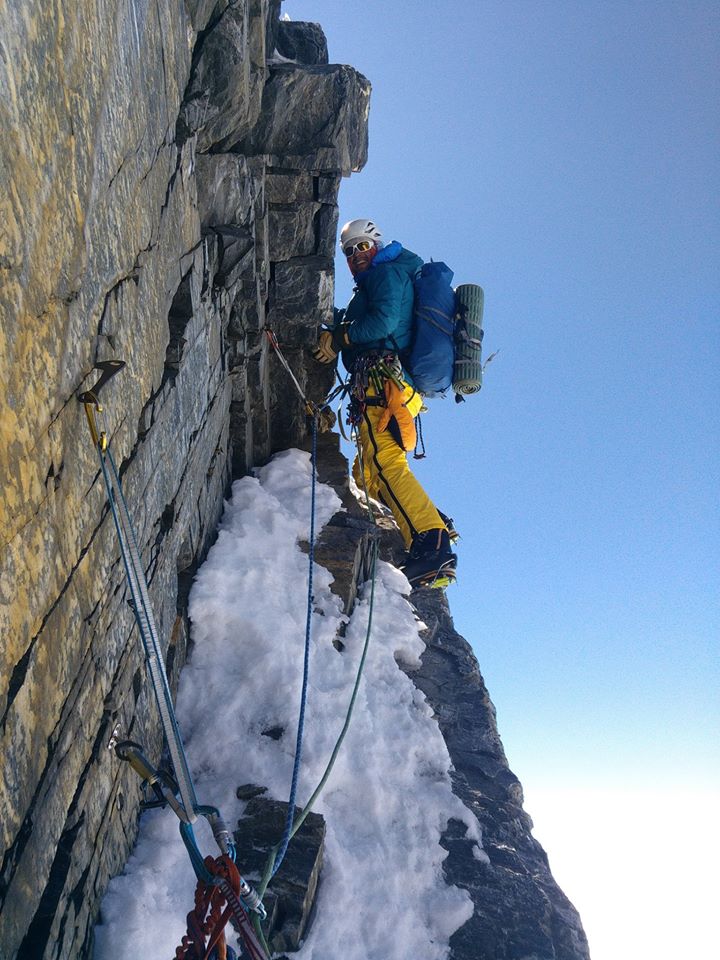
x=420 y=442
x=367 y=383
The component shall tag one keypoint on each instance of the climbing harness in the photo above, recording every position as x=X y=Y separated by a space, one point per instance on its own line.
x=165 y=787
x=367 y=382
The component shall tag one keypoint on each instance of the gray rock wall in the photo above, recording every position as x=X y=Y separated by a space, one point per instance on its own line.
x=162 y=198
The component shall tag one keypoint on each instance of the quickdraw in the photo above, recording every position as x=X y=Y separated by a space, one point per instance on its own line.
x=310 y=407
x=217 y=901
x=137 y=583
x=91 y=403
x=322 y=412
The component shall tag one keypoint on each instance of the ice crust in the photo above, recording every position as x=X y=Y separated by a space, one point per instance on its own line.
x=383 y=895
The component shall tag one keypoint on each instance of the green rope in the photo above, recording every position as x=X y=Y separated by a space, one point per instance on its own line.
x=302 y=816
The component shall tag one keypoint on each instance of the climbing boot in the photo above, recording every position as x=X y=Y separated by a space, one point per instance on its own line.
x=450 y=524
x=430 y=561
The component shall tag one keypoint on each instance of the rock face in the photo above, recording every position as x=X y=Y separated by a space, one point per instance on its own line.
x=130 y=229
x=168 y=189
x=519 y=909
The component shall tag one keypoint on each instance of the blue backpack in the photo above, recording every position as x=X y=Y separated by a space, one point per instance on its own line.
x=430 y=358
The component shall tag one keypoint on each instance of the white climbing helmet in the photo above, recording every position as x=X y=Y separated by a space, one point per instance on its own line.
x=360 y=230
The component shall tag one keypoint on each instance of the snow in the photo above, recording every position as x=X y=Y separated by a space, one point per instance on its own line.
x=389 y=796
x=277 y=57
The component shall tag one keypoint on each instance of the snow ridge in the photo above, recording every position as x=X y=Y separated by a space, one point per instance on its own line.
x=383 y=895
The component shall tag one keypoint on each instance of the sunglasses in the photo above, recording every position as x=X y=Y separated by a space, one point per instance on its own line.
x=362 y=246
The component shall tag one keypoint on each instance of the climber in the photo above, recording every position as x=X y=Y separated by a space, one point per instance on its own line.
x=370 y=333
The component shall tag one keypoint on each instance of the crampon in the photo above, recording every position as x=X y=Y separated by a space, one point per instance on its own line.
x=439 y=579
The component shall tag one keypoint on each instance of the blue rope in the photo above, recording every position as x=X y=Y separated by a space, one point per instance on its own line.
x=280 y=855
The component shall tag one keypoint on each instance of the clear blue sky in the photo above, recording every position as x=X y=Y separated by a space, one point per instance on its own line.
x=564 y=155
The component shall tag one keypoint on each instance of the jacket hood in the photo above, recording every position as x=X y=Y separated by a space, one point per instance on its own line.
x=390 y=251
x=388 y=254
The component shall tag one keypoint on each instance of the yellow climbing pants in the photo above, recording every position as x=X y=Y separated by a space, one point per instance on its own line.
x=387 y=473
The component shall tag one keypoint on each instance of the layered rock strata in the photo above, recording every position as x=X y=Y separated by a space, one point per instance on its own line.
x=165 y=197
x=168 y=189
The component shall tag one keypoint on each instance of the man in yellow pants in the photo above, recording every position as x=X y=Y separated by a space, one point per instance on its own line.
x=376 y=326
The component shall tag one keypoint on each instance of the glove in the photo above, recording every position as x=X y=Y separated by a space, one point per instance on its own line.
x=395 y=408
x=331 y=342
x=325 y=352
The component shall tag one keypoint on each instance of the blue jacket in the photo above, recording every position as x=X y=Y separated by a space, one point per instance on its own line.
x=380 y=312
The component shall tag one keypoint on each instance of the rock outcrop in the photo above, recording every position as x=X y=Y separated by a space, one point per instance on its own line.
x=168 y=189
x=520 y=912
x=519 y=909
x=133 y=229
